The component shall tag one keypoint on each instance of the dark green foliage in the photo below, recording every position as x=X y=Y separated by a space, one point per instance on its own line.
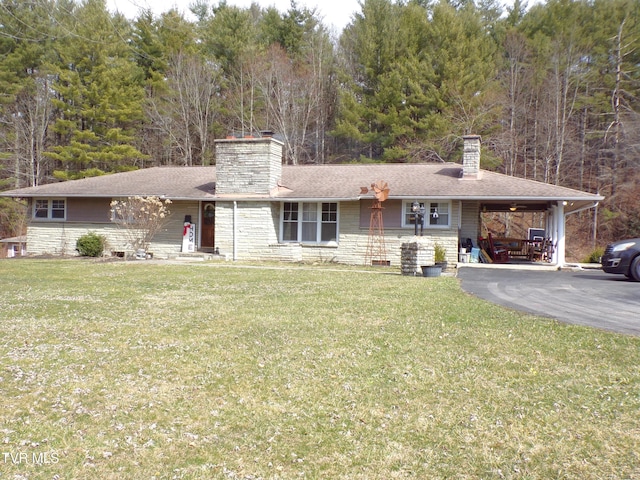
x=91 y=245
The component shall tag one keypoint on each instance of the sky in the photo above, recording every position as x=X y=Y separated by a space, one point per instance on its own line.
x=334 y=12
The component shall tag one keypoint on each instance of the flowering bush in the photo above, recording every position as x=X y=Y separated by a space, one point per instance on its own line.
x=141 y=218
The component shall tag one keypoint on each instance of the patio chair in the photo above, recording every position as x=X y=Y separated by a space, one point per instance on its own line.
x=542 y=251
x=498 y=254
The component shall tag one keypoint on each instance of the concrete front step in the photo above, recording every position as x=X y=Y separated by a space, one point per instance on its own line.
x=198 y=257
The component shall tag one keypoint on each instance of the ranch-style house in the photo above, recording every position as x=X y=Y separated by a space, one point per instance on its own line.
x=250 y=206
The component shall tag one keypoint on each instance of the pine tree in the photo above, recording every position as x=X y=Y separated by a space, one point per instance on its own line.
x=99 y=96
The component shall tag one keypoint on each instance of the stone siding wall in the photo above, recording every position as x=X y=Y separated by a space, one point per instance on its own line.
x=471 y=156
x=257 y=236
x=256 y=230
x=248 y=166
x=59 y=238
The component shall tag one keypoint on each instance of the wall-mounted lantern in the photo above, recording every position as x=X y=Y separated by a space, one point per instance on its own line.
x=418 y=212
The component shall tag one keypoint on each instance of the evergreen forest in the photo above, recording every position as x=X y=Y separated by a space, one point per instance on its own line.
x=553 y=88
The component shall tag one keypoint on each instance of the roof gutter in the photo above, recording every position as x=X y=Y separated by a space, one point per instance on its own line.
x=582 y=209
x=118 y=195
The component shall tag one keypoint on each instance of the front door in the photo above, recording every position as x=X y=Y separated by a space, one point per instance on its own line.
x=207 y=240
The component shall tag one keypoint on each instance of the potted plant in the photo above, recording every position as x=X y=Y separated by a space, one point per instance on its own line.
x=440 y=256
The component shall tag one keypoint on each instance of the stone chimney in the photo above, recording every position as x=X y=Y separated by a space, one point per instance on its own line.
x=471 y=156
x=248 y=165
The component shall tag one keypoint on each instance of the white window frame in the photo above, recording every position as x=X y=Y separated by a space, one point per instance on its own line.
x=50 y=209
x=306 y=216
x=442 y=206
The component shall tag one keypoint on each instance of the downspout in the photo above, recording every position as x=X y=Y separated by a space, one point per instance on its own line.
x=459 y=227
x=588 y=207
x=552 y=230
x=235 y=230
x=199 y=227
x=553 y=233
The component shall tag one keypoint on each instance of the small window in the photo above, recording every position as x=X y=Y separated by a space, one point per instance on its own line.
x=329 y=227
x=41 y=209
x=290 y=222
x=436 y=214
x=57 y=208
x=309 y=222
x=49 y=209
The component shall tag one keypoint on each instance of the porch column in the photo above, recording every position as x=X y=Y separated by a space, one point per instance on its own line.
x=561 y=236
x=559 y=239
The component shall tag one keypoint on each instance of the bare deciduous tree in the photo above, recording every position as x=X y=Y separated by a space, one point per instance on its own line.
x=187 y=112
x=140 y=218
x=32 y=114
x=291 y=92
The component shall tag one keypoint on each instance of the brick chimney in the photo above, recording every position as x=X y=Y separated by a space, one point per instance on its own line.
x=248 y=165
x=471 y=156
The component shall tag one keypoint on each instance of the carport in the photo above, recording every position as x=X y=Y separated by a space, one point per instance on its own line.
x=553 y=213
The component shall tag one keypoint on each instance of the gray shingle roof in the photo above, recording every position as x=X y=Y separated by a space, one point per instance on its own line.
x=172 y=182
x=320 y=182
x=433 y=180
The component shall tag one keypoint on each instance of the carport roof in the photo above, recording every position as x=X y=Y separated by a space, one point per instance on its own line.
x=322 y=182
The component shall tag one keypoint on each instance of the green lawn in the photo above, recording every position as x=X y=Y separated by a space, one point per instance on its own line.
x=144 y=370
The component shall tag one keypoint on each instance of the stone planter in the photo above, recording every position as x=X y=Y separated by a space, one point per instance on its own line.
x=416 y=253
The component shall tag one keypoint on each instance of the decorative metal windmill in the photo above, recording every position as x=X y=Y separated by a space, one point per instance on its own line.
x=376 y=248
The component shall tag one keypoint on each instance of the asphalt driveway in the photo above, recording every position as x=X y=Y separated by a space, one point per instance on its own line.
x=583 y=297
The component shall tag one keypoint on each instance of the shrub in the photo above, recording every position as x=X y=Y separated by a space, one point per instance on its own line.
x=440 y=255
x=90 y=245
x=594 y=257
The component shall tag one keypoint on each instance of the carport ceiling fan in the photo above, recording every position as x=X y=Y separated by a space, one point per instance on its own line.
x=514 y=207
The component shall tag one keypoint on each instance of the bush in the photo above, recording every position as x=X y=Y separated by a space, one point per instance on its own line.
x=91 y=245
x=594 y=257
x=439 y=253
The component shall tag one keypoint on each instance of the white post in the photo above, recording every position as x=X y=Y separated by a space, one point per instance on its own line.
x=199 y=226
x=561 y=240
x=235 y=230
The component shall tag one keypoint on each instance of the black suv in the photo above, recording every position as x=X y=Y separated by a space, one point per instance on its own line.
x=623 y=257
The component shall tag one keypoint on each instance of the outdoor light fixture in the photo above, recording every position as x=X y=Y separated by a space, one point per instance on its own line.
x=418 y=212
x=513 y=208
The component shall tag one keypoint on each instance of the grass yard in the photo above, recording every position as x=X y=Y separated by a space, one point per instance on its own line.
x=145 y=370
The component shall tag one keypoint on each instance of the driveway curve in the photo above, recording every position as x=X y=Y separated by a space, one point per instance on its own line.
x=581 y=297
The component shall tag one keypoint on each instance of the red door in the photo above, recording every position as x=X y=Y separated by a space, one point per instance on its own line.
x=207 y=240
